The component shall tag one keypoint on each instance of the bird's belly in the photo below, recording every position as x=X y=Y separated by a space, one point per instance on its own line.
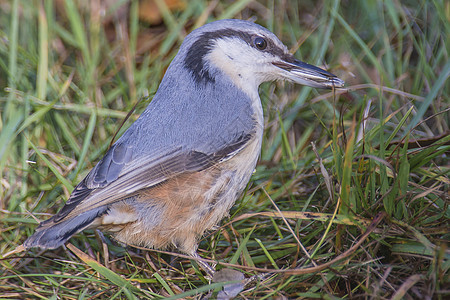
x=178 y=211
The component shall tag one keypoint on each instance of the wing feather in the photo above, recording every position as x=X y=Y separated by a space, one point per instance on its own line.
x=119 y=175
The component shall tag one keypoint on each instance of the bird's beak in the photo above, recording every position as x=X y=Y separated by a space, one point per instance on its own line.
x=306 y=74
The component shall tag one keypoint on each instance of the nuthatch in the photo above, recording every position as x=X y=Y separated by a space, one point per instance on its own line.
x=176 y=172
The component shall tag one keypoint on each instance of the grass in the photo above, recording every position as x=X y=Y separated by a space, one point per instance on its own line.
x=331 y=163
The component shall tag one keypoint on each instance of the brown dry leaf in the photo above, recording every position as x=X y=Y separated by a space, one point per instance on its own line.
x=231 y=290
x=149 y=11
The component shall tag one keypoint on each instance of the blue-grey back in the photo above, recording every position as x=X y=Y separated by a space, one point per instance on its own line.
x=198 y=116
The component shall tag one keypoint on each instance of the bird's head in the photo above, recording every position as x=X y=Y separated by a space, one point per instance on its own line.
x=248 y=54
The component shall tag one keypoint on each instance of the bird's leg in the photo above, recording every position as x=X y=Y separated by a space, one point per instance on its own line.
x=204 y=265
x=258 y=277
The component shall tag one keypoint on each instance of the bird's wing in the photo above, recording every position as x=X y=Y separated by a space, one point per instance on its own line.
x=119 y=175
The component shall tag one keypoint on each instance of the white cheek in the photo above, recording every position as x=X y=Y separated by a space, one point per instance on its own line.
x=246 y=66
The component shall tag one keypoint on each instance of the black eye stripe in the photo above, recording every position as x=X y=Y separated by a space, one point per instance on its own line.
x=195 y=54
x=260 y=43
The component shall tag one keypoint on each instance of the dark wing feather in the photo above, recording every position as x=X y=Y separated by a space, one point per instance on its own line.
x=106 y=171
x=110 y=167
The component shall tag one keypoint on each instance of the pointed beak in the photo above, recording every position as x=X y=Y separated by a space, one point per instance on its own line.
x=306 y=74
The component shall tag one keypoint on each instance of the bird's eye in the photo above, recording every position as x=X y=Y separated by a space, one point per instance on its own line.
x=260 y=43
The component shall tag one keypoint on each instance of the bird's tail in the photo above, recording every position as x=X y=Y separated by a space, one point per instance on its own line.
x=51 y=234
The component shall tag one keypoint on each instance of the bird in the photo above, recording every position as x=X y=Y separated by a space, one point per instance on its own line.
x=180 y=167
